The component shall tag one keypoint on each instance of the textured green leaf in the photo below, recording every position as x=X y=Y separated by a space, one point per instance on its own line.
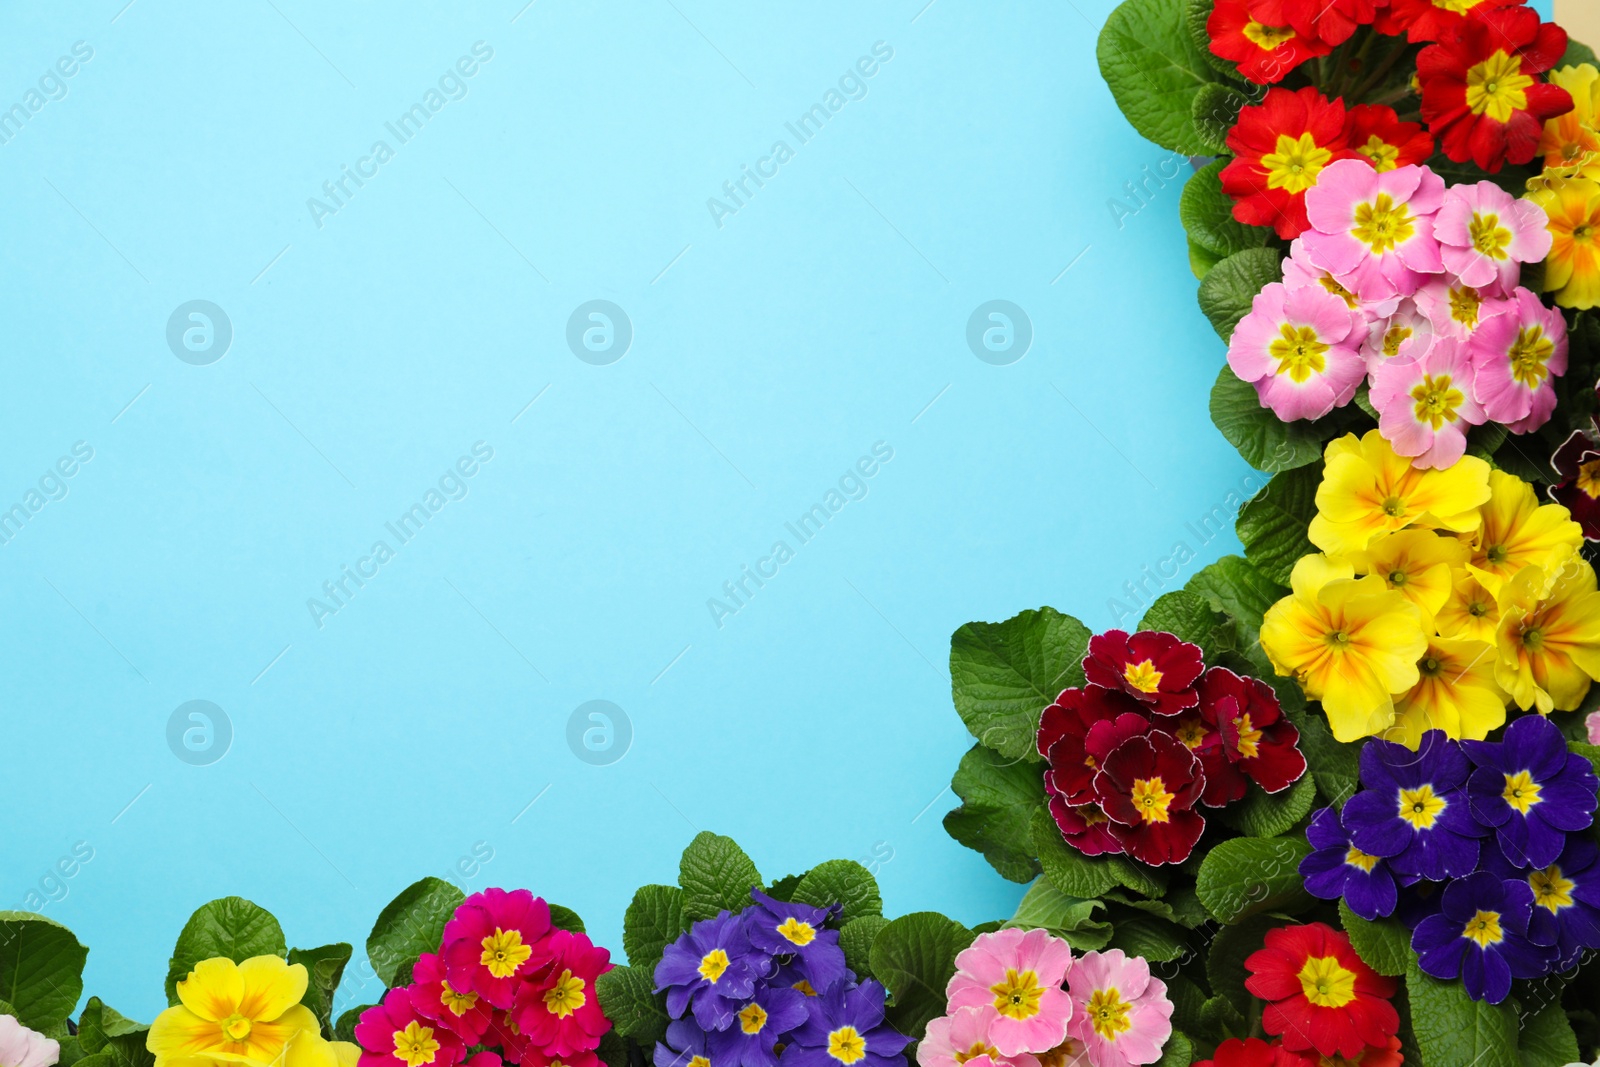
x=409 y=925
x=1003 y=675
x=1577 y=54
x=41 y=969
x=1453 y=1028
x=100 y=1024
x=915 y=957
x=1044 y=907
x=324 y=967
x=345 y=1028
x=1185 y=615
x=1177 y=1052
x=1227 y=293
x=1385 y=945
x=716 y=875
x=1207 y=212
x=856 y=938
x=562 y=918
x=1231 y=946
x=1264 y=441
x=653 y=921
x=843 y=882
x=1069 y=870
x=1272 y=524
x=998 y=799
x=783 y=889
x=1546 y=1038
x=1233 y=586
x=1245 y=876
x=1149 y=937
x=1202 y=260
x=1196 y=14
x=627 y=1000
x=1263 y=814
x=1215 y=111
x=1154 y=69
x=231 y=927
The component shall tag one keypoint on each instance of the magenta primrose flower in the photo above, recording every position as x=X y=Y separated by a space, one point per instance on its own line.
x=1120 y=1013
x=1301 y=350
x=494 y=940
x=1374 y=231
x=1485 y=234
x=1426 y=404
x=1517 y=354
x=1019 y=974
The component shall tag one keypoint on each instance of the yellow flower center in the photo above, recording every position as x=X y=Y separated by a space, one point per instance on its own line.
x=1380 y=153
x=459 y=1003
x=415 y=1045
x=1529 y=355
x=1521 y=791
x=1458 y=7
x=699 y=1061
x=1551 y=889
x=1484 y=928
x=1249 y=737
x=1356 y=858
x=1017 y=995
x=504 y=952
x=236 y=1027
x=1383 y=224
x=566 y=996
x=1327 y=983
x=1421 y=807
x=846 y=1046
x=1589 y=478
x=980 y=1048
x=1489 y=237
x=712 y=964
x=1464 y=305
x=1267 y=37
x=1436 y=399
x=805 y=987
x=1191 y=732
x=1143 y=676
x=796 y=932
x=1350 y=299
x=1108 y=1013
x=1497 y=87
x=752 y=1018
x=1533 y=638
x=1394 y=338
x=1296 y=163
x=1298 y=352
x=1151 y=799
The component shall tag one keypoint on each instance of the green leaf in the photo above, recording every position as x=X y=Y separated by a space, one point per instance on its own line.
x=1272 y=525
x=566 y=919
x=324 y=967
x=99 y=1024
x=1245 y=876
x=1187 y=997
x=1003 y=675
x=653 y=921
x=1587 y=751
x=1154 y=69
x=41 y=969
x=1220 y=1016
x=1385 y=945
x=716 y=875
x=1180 y=906
x=1185 y=615
x=1044 y=907
x=1547 y=1039
x=998 y=799
x=1207 y=212
x=1228 y=291
x=1215 y=111
x=915 y=957
x=1177 y=1052
x=843 y=882
x=627 y=1000
x=1233 y=945
x=783 y=889
x=1069 y=870
x=1577 y=54
x=409 y=925
x=1201 y=261
x=1233 y=586
x=856 y=938
x=1263 y=814
x=1196 y=14
x=1149 y=937
x=231 y=927
x=345 y=1028
x=1453 y=1028
x=1265 y=442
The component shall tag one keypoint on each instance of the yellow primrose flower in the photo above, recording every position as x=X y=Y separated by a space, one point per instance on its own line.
x=1471 y=613
x=1368 y=490
x=1457 y=693
x=1518 y=531
x=1572 y=271
x=232 y=1013
x=1351 y=643
x=1568 y=140
x=1418 y=564
x=307 y=1048
x=1549 y=636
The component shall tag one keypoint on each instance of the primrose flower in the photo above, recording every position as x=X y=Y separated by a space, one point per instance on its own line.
x=846 y=1028
x=1121 y=1013
x=1517 y=531
x=1566 y=899
x=1414 y=810
x=1154 y=668
x=22 y=1047
x=231 y=1013
x=1368 y=489
x=961 y=1039
x=1485 y=235
x=1336 y=868
x=1149 y=787
x=1571 y=140
x=1404 y=334
x=1549 y=637
x=714 y=963
x=1481 y=935
x=1572 y=206
x=1280 y=148
x=1199 y=732
x=1018 y=974
x=308 y=1049
x=782 y=928
x=1320 y=995
x=1375 y=231
x=1577 y=462
x=1481 y=93
x=1376 y=133
x=758 y=1026
x=465 y=1013
x=1263 y=53
x=395 y=1030
x=1110 y=715
x=1300 y=273
x=1257 y=740
x=1350 y=643
x=1301 y=349
x=1417 y=564
x=1455 y=692
x=685 y=1045
x=1455 y=309
x=1531 y=790
x=495 y=939
x=559 y=1011
x=1430 y=20
x=1084 y=827
x=1471 y=613
x=1332 y=20
x=1516 y=357
x=1426 y=405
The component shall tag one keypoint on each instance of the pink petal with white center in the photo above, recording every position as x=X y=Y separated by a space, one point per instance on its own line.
x=1331 y=203
x=1516 y=357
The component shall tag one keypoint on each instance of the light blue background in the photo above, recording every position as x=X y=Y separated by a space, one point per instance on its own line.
x=823 y=317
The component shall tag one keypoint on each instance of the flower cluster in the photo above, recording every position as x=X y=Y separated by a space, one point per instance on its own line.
x=1439 y=595
x=242 y=1015
x=505 y=986
x=1478 y=77
x=1410 y=287
x=1019 y=999
x=1480 y=846
x=1152 y=736
x=1568 y=190
x=743 y=989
